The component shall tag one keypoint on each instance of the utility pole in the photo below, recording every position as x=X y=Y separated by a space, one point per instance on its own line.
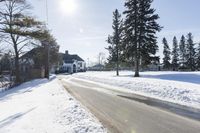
x=46 y=45
x=88 y=59
x=46 y=48
x=99 y=58
x=47 y=12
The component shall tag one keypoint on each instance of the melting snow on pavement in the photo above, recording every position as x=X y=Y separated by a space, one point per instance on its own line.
x=42 y=106
x=177 y=87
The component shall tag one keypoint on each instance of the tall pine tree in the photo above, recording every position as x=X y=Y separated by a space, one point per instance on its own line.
x=182 y=52
x=115 y=40
x=175 y=55
x=198 y=57
x=166 y=53
x=190 y=52
x=141 y=28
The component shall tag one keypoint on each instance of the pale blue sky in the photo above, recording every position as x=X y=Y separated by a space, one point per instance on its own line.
x=85 y=30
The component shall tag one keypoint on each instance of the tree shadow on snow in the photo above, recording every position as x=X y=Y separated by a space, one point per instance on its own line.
x=182 y=77
x=189 y=78
x=11 y=119
x=23 y=88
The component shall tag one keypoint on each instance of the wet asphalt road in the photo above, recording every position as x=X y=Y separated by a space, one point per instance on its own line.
x=122 y=115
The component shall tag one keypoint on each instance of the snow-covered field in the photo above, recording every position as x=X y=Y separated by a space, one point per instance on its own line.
x=177 y=87
x=42 y=106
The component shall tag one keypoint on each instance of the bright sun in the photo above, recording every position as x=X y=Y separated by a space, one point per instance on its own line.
x=68 y=6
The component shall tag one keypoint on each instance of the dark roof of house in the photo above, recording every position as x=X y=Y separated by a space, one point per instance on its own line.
x=70 y=58
x=31 y=53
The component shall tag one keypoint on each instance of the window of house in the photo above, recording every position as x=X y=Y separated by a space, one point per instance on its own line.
x=80 y=64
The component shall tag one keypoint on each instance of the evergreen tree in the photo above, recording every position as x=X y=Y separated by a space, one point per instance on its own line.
x=140 y=30
x=166 y=53
x=48 y=53
x=198 y=57
x=175 y=55
x=182 y=52
x=115 y=40
x=190 y=52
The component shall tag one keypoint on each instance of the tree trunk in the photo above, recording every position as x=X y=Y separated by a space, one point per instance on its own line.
x=136 y=66
x=46 y=61
x=17 y=67
x=17 y=70
x=136 y=43
x=117 y=72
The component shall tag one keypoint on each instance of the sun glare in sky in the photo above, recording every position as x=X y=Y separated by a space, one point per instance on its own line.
x=68 y=6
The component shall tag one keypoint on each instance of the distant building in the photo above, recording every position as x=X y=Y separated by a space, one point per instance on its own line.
x=98 y=67
x=72 y=63
x=155 y=64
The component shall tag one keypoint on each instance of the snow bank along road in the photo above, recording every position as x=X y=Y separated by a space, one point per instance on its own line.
x=181 y=88
x=119 y=114
x=42 y=106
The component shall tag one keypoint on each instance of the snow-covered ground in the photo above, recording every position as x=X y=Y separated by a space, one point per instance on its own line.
x=177 y=87
x=42 y=106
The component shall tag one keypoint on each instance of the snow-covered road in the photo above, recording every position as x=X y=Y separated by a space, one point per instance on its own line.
x=177 y=87
x=42 y=106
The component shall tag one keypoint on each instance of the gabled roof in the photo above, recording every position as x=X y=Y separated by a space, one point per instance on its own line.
x=70 y=58
x=31 y=53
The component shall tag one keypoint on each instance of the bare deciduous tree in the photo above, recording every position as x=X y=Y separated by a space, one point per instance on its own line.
x=18 y=28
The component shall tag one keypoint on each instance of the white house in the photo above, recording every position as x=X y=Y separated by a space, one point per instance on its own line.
x=72 y=63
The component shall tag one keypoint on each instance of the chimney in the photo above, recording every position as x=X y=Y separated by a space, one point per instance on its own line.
x=66 y=52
